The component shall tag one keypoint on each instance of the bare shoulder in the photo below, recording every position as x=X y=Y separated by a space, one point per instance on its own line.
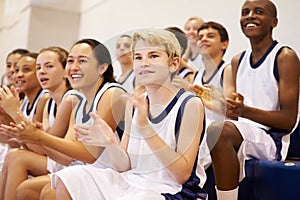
x=235 y=60
x=288 y=62
x=194 y=104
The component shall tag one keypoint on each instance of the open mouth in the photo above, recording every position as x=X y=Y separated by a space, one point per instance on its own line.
x=145 y=72
x=43 y=80
x=250 y=25
x=76 y=76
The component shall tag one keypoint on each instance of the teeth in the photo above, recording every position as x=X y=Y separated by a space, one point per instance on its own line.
x=19 y=82
x=251 y=25
x=76 y=76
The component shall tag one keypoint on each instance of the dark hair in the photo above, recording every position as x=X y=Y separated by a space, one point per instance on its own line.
x=221 y=29
x=125 y=35
x=18 y=51
x=31 y=55
x=62 y=57
x=102 y=55
x=180 y=35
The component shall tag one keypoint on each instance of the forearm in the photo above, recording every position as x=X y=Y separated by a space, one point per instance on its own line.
x=57 y=156
x=72 y=148
x=115 y=157
x=276 y=119
x=176 y=164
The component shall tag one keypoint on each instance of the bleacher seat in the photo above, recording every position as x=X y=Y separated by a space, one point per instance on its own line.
x=268 y=180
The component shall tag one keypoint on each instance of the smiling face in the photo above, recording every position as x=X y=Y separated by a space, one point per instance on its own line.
x=11 y=63
x=49 y=70
x=123 y=49
x=82 y=67
x=258 y=18
x=191 y=30
x=210 y=42
x=151 y=64
x=26 y=80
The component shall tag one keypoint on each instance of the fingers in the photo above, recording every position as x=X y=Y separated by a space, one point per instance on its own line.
x=238 y=97
x=82 y=130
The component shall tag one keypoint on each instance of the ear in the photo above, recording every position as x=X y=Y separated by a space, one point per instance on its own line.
x=174 y=65
x=225 y=45
x=274 y=22
x=102 y=69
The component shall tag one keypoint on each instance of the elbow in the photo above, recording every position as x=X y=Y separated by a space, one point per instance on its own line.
x=291 y=124
x=182 y=178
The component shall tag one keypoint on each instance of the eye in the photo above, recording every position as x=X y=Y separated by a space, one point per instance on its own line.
x=82 y=61
x=259 y=11
x=38 y=67
x=70 y=61
x=154 y=56
x=137 y=57
x=211 y=35
x=8 y=65
x=49 y=66
x=26 y=69
x=118 y=46
x=127 y=45
x=245 y=12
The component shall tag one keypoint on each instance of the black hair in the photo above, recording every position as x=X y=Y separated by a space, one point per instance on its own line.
x=18 y=51
x=102 y=55
x=221 y=29
x=180 y=35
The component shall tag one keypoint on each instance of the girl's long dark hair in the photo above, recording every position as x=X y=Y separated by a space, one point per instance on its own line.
x=103 y=56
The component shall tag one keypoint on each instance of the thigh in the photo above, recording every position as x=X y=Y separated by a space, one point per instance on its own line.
x=35 y=184
x=34 y=163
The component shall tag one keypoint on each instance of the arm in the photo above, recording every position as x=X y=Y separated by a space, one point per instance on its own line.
x=285 y=117
x=179 y=163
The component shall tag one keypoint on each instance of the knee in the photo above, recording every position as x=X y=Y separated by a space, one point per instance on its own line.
x=14 y=155
x=24 y=192
x=221 y=135
x=47 y=193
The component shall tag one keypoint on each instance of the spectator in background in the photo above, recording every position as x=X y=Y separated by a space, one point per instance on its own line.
x=192 y=55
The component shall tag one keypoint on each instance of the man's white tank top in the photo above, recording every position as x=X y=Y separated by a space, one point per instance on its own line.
x=257 y=82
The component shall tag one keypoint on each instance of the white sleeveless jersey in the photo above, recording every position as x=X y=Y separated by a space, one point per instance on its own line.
x=184 y=72
x=143 y=162
x=197 y=62
x=257 y=83
x=29 y=113
x=82 y=115
x=217 y=81
x=53 y=166
x=128 y=83
x=52 y=105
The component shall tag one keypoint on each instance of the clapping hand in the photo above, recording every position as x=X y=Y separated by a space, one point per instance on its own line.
x=98 y=134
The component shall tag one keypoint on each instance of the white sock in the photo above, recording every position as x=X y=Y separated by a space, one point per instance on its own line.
x=228 y=194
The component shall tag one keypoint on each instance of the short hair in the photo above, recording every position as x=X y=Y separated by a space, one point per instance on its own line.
x=179 y=34
x=217 y=26
x=273 y=9
x=158 y=37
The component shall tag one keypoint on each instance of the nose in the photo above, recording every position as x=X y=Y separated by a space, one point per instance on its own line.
x=19 y=73
x=75 y=66
x=41 y=70
x=250 y=14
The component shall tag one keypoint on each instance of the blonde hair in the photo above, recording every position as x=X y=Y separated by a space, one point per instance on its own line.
x=158 y=37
